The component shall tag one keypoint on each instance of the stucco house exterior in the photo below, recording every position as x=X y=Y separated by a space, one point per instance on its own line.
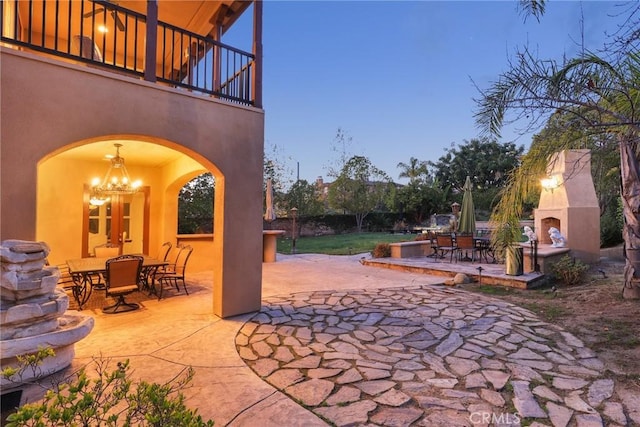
x=78 y=77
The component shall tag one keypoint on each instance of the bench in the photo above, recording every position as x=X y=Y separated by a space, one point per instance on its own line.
x=411 y=249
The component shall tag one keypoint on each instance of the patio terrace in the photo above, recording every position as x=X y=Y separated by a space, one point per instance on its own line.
x=463 y=373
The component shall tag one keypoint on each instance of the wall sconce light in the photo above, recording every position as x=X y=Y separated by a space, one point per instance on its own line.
x=550 y=183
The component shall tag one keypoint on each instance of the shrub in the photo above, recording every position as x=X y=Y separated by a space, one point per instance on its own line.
x=400 y=226
x=382 y=250
x=569 y=271
x=110 y=399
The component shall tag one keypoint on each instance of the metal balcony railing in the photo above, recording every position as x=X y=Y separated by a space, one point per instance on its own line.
x=183 y=59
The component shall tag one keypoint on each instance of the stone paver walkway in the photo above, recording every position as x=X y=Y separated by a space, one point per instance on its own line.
x=426 y=356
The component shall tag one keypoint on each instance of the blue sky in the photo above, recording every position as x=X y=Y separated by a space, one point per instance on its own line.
x=398 y=76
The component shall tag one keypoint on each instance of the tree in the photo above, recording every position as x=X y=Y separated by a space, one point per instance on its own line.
x=422 y=195
x=360 y=189
x=602 y=95
x=340 y=146
x=274 y=167
x=415 y=170
x=420 y=198
x=533 y=8
x=195 y=205
x=484 y=160
x=305 y=197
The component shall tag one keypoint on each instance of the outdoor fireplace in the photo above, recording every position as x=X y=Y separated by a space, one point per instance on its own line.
x=545 y=225
x=570 y=204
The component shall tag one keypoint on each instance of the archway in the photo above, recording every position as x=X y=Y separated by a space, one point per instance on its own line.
x=97 y=107
x=62 y=200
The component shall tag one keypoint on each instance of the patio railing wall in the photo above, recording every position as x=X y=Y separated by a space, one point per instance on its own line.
x=69 y=29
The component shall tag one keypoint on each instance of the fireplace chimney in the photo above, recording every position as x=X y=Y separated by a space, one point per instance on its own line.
x=569 y=203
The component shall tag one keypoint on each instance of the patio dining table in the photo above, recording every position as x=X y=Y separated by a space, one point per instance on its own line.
x=86 y=273
x=481 y=243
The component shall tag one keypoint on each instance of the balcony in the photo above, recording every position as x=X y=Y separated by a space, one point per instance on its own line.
x=176 y=44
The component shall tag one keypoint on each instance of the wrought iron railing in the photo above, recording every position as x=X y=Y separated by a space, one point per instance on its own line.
x=189 y=61
x=70 y=30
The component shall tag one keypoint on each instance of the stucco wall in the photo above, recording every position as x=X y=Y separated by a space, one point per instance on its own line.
x=49 y=106
x=59 y=204
x=573 y=203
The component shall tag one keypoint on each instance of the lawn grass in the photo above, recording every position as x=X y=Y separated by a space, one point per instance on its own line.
x=341 y=244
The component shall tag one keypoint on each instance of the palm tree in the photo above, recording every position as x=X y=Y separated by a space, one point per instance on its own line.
x=414 y=170
x=603 y=96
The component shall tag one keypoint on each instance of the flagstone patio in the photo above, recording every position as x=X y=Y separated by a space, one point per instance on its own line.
x=342 y=343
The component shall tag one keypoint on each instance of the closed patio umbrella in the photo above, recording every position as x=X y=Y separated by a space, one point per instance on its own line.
x=468 y=212
x=270 y=212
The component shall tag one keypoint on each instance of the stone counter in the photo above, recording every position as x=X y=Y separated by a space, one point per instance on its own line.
x=547 y=256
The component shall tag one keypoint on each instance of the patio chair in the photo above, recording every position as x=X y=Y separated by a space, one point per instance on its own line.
x=122 y=277
x=172 y=259
x=446 y=245
x=147 y=275
x=434 y=244
x=106 y=251
x=464 y=245
x=65 y=280
x=163 y=251
x=103 y=251
x=178 y=275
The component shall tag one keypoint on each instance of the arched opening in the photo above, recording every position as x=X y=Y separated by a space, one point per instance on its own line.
x=196 y=204
x=41 y=190
x=72 y=226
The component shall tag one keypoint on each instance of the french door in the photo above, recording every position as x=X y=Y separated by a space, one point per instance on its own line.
x=123 y=221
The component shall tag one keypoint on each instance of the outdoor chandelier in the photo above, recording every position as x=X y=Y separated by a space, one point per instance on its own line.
x=115 y=182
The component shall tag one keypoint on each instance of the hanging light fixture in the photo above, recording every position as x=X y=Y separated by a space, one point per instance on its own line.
x=115 y=182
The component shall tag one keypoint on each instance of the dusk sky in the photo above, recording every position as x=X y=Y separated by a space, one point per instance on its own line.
x=398 y=76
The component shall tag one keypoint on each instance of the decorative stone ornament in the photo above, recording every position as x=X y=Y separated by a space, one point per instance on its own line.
x=531 y=235
x=557 y=239
x=33 y=311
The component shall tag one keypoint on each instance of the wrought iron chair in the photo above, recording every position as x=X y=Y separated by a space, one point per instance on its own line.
x=103 y=251
x=434 y=244
x=106 y=251
x=464 y=245
x=65 y=281
x=122 y=277
x=164 y=251
x=147 y=275
x=446 y=245
x=174 y=278
x=172 y=258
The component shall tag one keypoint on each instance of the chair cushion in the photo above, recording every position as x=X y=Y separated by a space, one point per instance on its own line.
x=123 y=290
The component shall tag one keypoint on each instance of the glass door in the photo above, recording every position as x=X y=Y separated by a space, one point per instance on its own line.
x=123 y=221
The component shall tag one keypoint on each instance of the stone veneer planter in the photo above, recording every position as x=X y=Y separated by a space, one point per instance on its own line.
x=33 y=311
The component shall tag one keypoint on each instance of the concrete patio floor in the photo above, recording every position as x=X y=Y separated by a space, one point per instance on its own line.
x=164 y=337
